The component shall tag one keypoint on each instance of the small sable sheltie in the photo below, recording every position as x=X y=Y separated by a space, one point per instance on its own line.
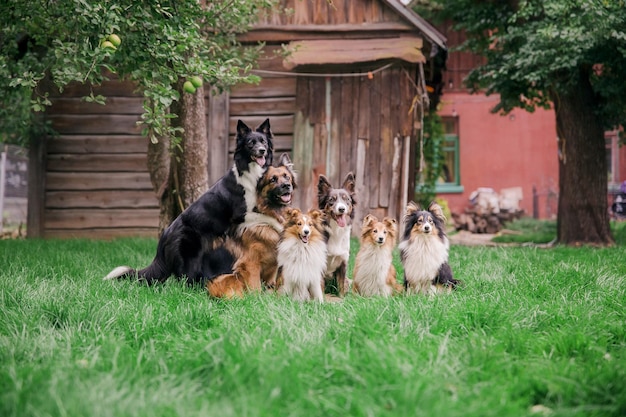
x=255 y=247
x=302 y=256
x=374 y=273
x=337 y=204
x=424 y=250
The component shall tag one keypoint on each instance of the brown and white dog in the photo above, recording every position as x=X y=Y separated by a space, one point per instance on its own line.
x=424 y=250
x=374 y=273
x=255 y=248
x=302 y=256
x=338 y=206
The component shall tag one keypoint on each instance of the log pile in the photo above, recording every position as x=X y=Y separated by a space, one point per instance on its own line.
x=489 y=211
x=480 y=221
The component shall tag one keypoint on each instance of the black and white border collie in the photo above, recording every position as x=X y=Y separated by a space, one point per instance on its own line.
x=338 y=206
x=424 y=249
x=191 y=247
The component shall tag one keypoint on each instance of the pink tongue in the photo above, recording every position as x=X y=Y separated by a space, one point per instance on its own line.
x=341 y=220
x=286 y=198
x=261 y=161
x=305 y=239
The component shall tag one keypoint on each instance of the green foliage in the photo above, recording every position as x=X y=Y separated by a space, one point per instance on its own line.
x=433 y=158
x=161 y=42
x=532 y=332
x=537 y=49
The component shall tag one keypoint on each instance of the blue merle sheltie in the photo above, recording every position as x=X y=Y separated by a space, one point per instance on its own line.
x=192 y=246
x=424 y=249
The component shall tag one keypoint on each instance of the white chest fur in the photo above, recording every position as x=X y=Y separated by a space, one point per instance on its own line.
x=374 y=263
x=338 y=245
x=423 y=255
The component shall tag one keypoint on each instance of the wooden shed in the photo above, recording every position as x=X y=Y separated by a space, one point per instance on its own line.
x=346 y=98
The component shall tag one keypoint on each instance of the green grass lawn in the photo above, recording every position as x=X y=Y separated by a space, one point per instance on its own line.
x=533 y=332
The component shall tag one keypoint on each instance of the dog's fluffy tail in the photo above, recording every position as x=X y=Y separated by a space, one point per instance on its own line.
x=151 y=274
x=120 y=272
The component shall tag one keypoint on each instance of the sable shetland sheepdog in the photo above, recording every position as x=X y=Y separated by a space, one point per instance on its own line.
x=424 y=250
x=338 y=206
x=374 y=273
x=302 y=256
x=255 y=247
x=189 y=247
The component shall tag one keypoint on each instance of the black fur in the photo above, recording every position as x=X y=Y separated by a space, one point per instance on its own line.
x=191 y=246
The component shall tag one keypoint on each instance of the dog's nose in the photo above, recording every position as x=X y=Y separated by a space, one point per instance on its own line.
x=306 y=232
x=342 y=210
x=380 y=240
x=262 y=151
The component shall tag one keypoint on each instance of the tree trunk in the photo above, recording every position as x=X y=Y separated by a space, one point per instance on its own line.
x=193 y=173
x=179 y=173
x=159 y=163
x=582 y=214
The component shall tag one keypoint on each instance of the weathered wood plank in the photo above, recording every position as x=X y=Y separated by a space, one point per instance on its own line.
x=134 y=162
x=102 y=199
x=280 y=125
x=350 y=99
x=111 y=88
x=373 y=159
x=364 y=114
x=347 y=51
x=245 y=107
x=104 y=124
x=332 y=157
x=386 y=139
x=97 y=144
x=101 y=233
x=114 y=105
x=268 y=87
x=282 y=143
x=101 y=218
x=36 y=187
x=303 y=160
x=218 y=136
x=97 y=181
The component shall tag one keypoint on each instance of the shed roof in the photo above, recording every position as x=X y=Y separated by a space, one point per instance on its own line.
x=350 y=51
x=432 y=34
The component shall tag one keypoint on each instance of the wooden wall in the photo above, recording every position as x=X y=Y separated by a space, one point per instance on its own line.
x=95 y=182
x=336 y=12
x=92 y=179
x=364 y=126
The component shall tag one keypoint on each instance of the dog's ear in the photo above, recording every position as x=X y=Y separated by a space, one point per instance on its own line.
x=437 y=211
x=242 y=128
x=265 y=128
x=411 y=208
x=369 y=219
x=315 y=214
x=349 y=183
x=322 y=190
x=291 y=211
x=285 y=161
x=390 y=223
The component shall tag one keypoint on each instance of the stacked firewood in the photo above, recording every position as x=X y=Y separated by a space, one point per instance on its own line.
x=489 y=211
x=476 y=220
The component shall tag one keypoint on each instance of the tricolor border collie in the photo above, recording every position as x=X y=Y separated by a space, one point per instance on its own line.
x=338 y=206
x=187 y=248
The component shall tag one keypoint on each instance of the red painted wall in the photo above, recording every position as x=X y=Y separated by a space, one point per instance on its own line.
x=519 y=149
